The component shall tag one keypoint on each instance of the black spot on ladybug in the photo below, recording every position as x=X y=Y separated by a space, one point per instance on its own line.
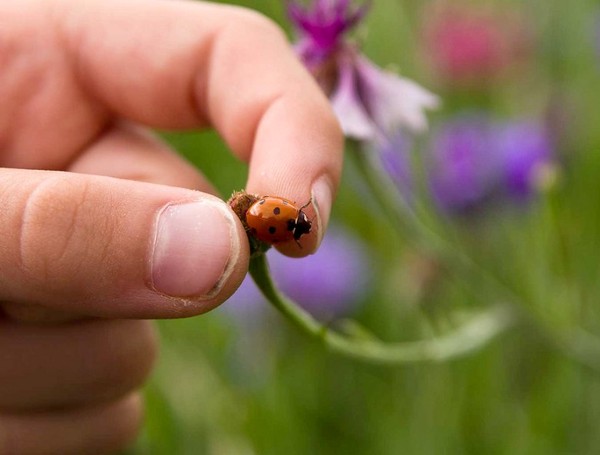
x=276 y=210
x=272 y=229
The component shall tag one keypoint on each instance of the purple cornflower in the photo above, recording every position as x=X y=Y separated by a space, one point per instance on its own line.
x=526 y=147
x=371 y=104
x=475 y=158
x=327 y=284
x=463 y=163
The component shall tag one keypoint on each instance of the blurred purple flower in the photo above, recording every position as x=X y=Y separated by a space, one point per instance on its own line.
x=330 y=282
x=327 y=284
x=474 y=158
x=371 y=104
x=526 y=146
x=463 y=162
x=246 y=304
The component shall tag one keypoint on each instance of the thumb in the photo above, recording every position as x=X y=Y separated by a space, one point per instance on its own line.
x=106 y=247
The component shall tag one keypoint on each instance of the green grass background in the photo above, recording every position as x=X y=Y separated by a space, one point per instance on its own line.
x=224 y=387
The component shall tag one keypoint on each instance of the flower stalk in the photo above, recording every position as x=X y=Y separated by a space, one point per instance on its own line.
x=474 y=334
x=375 y=107
x=408 y=224
x=372 y=105
x=576 y=344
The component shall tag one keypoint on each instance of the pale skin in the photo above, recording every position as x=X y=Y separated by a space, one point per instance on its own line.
x=131 y=231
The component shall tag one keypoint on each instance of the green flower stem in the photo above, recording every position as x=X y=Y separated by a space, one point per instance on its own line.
x=576 y=344
x=469 y=337
x=414 y=231
x=581 y=346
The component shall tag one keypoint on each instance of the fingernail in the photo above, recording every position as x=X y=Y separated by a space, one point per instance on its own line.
x=322 y=199
x=194 y=248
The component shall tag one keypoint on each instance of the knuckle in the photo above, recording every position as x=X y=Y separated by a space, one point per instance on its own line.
x=9 y=436
x=51 y=226
x=127 y=420
x=121 y=365
x=125 y=368
x=107 y=428
x=123 y=420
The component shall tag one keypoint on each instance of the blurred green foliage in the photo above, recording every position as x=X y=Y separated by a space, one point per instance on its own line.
x=225 y=386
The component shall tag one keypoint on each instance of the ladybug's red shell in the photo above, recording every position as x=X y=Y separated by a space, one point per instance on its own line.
x=274 y=220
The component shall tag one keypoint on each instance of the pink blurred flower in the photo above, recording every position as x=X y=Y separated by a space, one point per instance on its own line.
x=473 y=45
x=371 y=103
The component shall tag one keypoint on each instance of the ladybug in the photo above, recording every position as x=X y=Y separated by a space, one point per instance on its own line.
x=274 y=219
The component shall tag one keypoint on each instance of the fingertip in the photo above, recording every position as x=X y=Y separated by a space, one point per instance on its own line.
x=200 y=254
x=318 y=212
x=235 y=271
x=299 y=157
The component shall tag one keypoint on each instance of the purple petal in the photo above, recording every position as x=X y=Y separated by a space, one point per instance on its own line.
x=348 y=104
x=325 y=22
x=394 y=102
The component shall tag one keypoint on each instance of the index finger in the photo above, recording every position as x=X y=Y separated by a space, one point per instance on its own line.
x=181 y=64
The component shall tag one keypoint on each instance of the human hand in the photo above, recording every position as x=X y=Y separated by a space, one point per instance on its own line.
x=84 y=255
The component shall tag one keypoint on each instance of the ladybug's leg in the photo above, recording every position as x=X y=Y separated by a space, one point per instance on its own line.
x=291 y=226
x=307 y=204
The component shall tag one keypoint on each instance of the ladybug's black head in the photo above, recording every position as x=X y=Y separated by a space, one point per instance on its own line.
x=302 y=225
